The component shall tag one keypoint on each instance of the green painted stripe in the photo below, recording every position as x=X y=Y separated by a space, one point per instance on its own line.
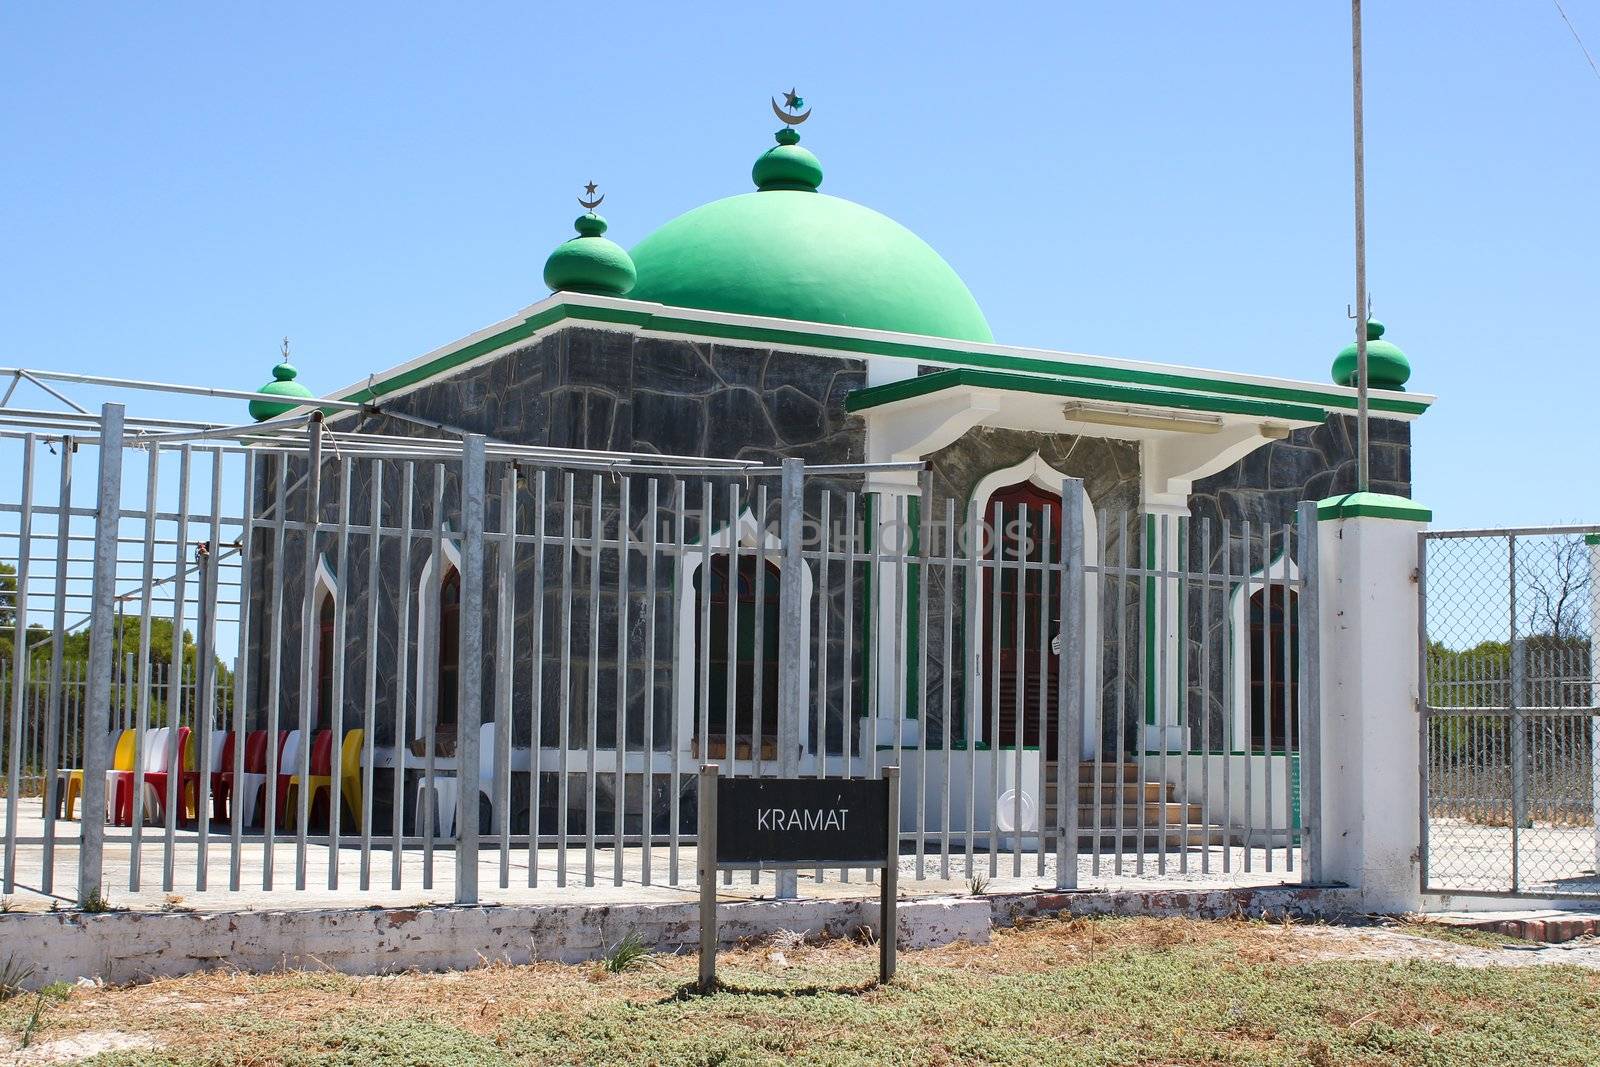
x=1057 y=368
x=925 y=384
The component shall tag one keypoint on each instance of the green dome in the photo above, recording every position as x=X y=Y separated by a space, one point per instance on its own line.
x=1387 y=366
x=283 y=384
x=790 y=252
x=590 y=263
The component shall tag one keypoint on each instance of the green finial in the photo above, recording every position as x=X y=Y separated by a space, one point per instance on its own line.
x=788 y=166
x=1387 y=366
x=589 y=263
x=283 y=384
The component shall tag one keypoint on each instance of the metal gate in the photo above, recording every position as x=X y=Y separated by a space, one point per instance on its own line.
x=298 y=655
x=1510 y=704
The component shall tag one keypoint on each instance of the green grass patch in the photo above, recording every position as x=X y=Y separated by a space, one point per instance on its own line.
x=1102 y=992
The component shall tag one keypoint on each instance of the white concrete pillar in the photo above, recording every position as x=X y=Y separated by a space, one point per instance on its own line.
x=1371 y=740
x=892 y=495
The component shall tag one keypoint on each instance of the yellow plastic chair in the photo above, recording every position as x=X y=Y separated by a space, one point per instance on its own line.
x=121 y=760
x=349 y=778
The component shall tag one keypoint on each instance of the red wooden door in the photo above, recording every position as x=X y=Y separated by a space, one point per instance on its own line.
x=1027 y=522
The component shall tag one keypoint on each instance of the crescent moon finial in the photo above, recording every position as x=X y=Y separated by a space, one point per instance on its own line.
x=593 y=201
x=794 y=116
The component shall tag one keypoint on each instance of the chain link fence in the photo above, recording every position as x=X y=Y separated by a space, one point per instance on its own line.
x=1509 y=701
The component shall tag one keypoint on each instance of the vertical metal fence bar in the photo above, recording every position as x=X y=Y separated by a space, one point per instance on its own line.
x=429 y=695
x=1071 y=706
x=758 y=699
x=1310 y=619
x=1230 y=683
x=504 y=669
x=1045 y=712
x=791 y=639
x=1094 y=703
x=536 y=681
x=402 y=683
x=19 y=673
x=102 y=644
x=269 y=788
x=206 y=661
x=1517 y=700
x=309 y=627
x=592 y=705
x=469 y=677
x=1247 y=744
x=681 y=598
x=972 y=670
x=619 y=744
x=173 y=761
x=924 y=536
x=1019 y=678
x=703 y=639
x=648 y=781
x=1206 y=694
x=1119 y=724
x=871 y=652
x=369 y=721
x=948 y=674
x=730 y=666
x=1266 y=692
x=1165 y=698
x=565 y=727
x=54 y=711
x=335 y=713
x=996 y=580
x=823 y=598
x=1286 y=670
x=848 y=677
x=1139 y=743
x=1185 y=712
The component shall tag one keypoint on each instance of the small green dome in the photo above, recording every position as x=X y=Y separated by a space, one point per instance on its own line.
x=1387 y=366
x=589 y=262
x=790 y=252
x=283 y=384
x=788 y=166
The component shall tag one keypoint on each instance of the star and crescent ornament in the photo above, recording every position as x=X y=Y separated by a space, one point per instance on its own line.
x=794 y=102
x=593 y=201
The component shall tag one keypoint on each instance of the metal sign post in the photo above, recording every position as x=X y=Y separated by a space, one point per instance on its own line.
x=784 y=824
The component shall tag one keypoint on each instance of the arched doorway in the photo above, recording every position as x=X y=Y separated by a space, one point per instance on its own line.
x=1274 y=698
x=322 y=710
x=1025 y=523
x=752 y=600
x=449 y=616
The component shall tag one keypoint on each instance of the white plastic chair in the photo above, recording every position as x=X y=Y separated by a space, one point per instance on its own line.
x=251 y=789
x=152 y=758
x=445 y=789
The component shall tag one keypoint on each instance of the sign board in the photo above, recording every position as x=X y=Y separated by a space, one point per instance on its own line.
x=756 y=823
x=802 y=822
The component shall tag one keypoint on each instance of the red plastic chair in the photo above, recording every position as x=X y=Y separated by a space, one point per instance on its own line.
x=154 y=758
x=247 y=792
x=220 y=783
x=321 y=764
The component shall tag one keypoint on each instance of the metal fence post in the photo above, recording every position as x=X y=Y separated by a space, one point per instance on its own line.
x=469 y=704
x=1070 y=708
x=1519 y=737
x=1310 y=697
x=791 y=636
x=102 y=642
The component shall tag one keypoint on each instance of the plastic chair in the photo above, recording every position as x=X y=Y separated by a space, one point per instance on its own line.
x=252 y=784
x=153 y=758
x=321 y=784
x=288 y=776
x=222 y=746
x=445 y=789
x=121 y=760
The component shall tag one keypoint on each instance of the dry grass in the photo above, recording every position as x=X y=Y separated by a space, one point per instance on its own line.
x=1077 y=991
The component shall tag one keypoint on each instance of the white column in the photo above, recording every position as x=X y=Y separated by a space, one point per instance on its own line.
x=1164 y=511
x=1371 y=747
x=892 y=495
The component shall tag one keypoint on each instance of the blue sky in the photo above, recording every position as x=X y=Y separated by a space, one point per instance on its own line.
x=184 y=184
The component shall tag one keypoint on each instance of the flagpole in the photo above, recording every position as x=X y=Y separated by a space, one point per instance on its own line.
x=1363 y=465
